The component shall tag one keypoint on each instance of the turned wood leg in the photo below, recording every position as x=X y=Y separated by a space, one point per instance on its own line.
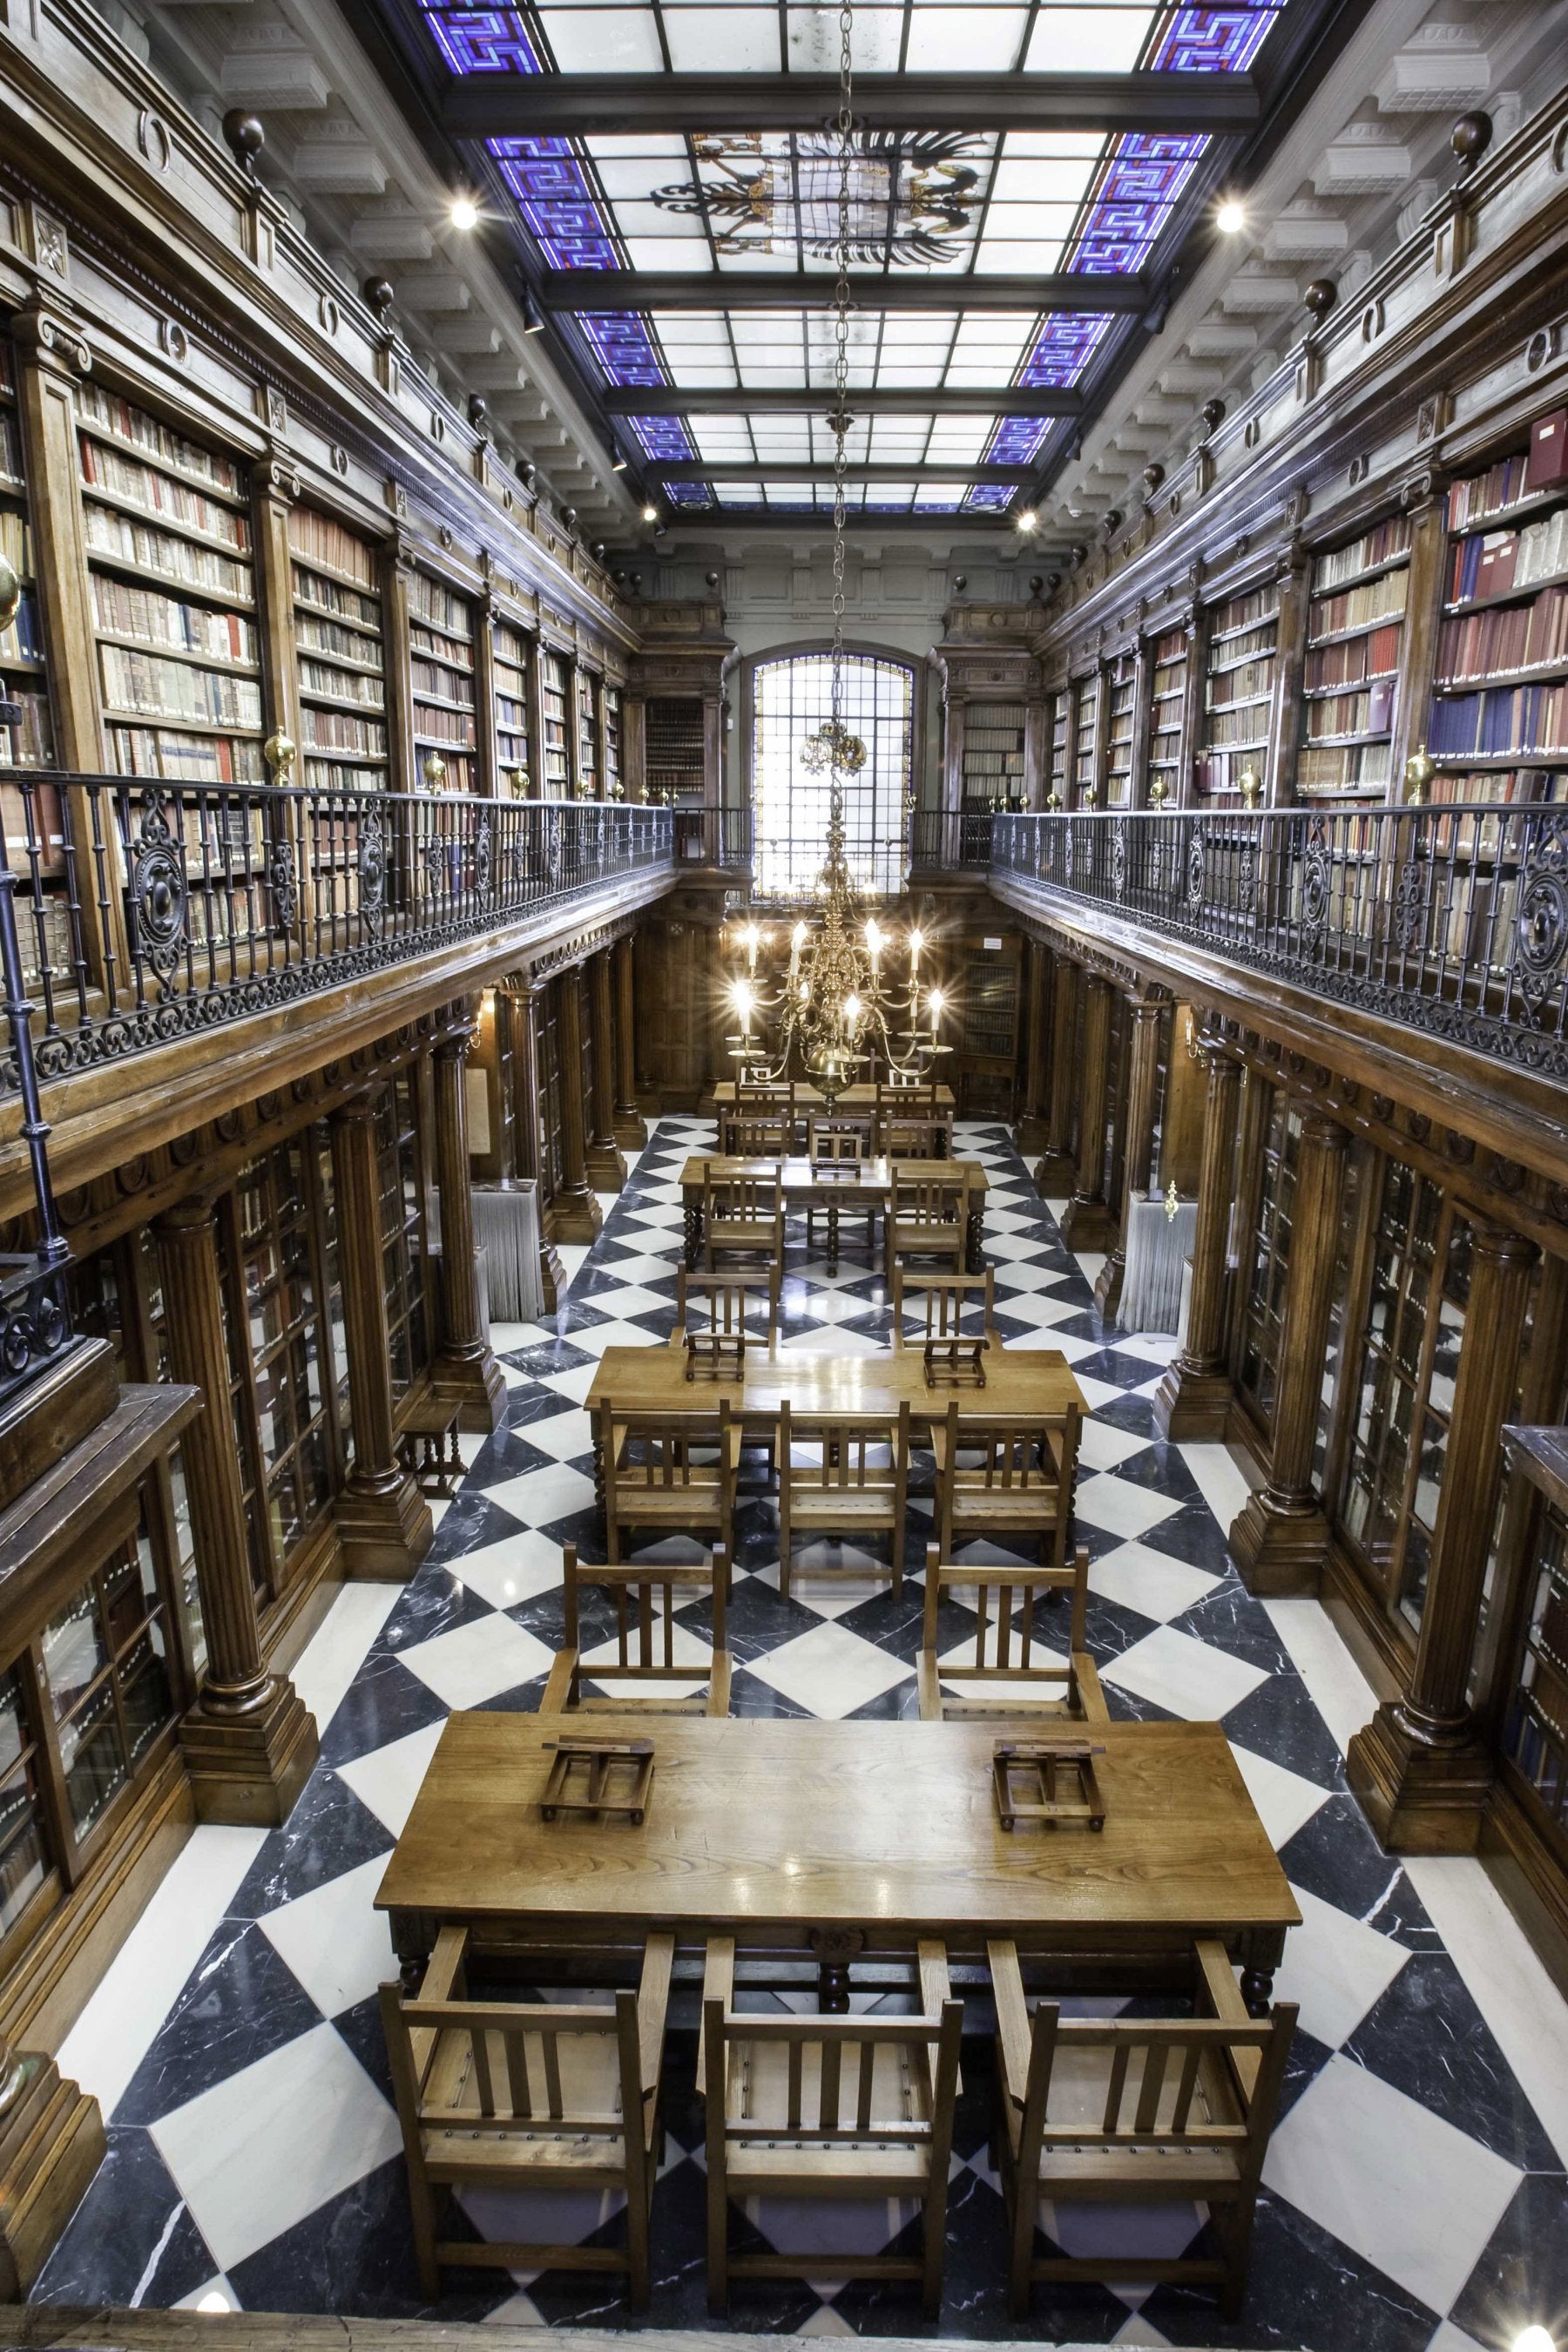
x=693 y=1234
x=835 y=1948
x=1257 y=1990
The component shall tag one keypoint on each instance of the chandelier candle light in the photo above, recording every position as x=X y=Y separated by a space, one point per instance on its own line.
x=834 y=1009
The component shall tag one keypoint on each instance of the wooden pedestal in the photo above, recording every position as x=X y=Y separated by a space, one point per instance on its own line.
x=1192 y=1408
x=1279 y=1547
x=1420 y=1797
x=51 y=2144
x=246 y=1770
x=385 y=1527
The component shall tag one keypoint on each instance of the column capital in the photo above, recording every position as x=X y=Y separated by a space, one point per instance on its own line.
x=457 y=1043
x=1501 y=1244
x=1321 y=1128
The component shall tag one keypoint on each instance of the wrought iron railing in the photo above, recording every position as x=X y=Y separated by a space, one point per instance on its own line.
x=34 y=1305
x=943 y=840
x=147 y=910
x=714 y=837
x=1450 y=920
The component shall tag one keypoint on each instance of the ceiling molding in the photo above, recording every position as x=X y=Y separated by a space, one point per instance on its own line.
x=591 y=292
x=888 y=400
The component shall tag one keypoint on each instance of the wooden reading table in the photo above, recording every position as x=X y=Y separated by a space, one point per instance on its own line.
x=842 y=1838
x=849 y=1187
x=861 y=1097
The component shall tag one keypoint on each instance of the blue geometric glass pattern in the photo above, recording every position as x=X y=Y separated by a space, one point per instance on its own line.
x=1213 y=40
x=1063 y=348
x=483 y=40
x=1133 y=201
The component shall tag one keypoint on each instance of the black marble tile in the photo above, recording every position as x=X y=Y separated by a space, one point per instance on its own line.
x=1191 y=1534
x=329 y=1831
x=1427 y=2038
x=383 y=1702
x=1279 y=1720
x=1304 y=2289
x=1521 y=2278
x=1336 y=1857
x=1229 y=1619
x=355 y=2254
x=131 y=2240
x=240 y=2002
x=437 y=1600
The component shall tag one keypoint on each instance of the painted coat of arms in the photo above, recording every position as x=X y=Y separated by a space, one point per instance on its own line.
x=912 y=197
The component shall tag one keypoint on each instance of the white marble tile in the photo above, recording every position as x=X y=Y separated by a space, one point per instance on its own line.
x=1149 y=1582
x=574 y=1256
x=1401 y=2187
x=826 y=2321
x=1090 y=1264
x=1184 y=1676
x=1335 y=1683
x=577 y=1380
x=518 y=2310
x=518 y=1568
x=1506 y=1980
x=597 y=1337
x=477 y=1661
x=336 y=1651
x=638 y=1266
x=1044 y=1309
x=1004 y=1248
x=1103 y=1446
x=1154 y=1347
x=1334 y=1967
x=260 y=2151
x=333 y=1940
x=1024 y=1274
x=1120 y=1507
x=627 y=1299
x=388 y=1779
x=215 y=2295
x=565 y=1436
x=1285 y=1801
x=1097 y=1393
x=841 y=1341
x=1218 y=1480
x=831 y=1578
x=141 y=1984
x=538 y=1496
x=830 y=1670
x=1450 y=2339
x=1140 y=2331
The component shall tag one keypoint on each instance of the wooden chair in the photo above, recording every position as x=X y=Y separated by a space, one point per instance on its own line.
x=718 y=1347
x=1017 y=1480
x=1132 y=2111
x=645 y=1601
x=820 y=2107
x=952 y=1347
x=927 y=1216
x=748 y=1135
x=743 y=1216
x=518 y=2095
x=901 y=1138
x=836 y=1146
x=1004 y=1652
x=841 y=1490
x=768 y=1100
x=675 y=1471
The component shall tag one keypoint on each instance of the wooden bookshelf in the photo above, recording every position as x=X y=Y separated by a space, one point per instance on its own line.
x=1238 y=692
x=1061 y=719
x=587 y=736
x=1087 y=701
x=23 y=674
x=441 y=656
x=337 y=646
x=1498 y=725
x=173 y=584
x=1167 y=703
x=993 y=755
x=1356 y=612
x=1120 y=688
x=615 y=780
x=552 y=676
x=674 y=748
x=514 y=651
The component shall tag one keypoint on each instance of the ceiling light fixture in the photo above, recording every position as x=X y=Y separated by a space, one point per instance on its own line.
x=1026 y=521
x=464 y=213
x=650 y=514
x=1230 y=217
x=617 y=465
x=1533 y=2339
x=532 y=316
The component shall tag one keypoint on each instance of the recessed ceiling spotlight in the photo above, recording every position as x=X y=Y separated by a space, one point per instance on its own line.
x=1230 y=217
x=1027 y=520
x=1533 y=2339
x=532 y=316
x=464 y=213
x=619 y=466
x=650 y=514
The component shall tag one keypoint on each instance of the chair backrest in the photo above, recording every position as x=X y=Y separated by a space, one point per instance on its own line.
x=841 y=1450
x=908 y=1092
x=491 y=2066
x=751 y=1135
x=720 y=1345
x=741 y=1199
x=1013 y=1451
x=997 y=1593
x=902 y=1136
x=1195 y=2082
x=645 y=1597
x=657 y=1450
x=769 y=1096
x=843 y=2079
x=956 y=1310
x=833 y=1143
x=928 y=1196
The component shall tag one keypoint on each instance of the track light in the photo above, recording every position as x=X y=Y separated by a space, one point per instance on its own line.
x=532 y=316
x=1230 y=218
x=650 y=514
x=617 y=465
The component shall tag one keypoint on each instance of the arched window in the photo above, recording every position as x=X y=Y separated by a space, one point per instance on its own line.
x=790 y=698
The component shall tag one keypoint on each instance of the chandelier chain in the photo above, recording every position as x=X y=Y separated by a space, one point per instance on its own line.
x=841 y=361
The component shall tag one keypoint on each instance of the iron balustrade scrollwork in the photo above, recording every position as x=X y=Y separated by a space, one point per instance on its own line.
x=942 y=841
x=718 y=837
x=1447 y=919
x=141 y=911
x=34 y=1305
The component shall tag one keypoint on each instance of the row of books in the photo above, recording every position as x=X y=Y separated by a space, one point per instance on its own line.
x=340 y=731
x=32 y=744
x=1357 y=766
x=17 y=542
x=10 y=448
x=347 y=605
x=1506 y=638
x=1498 y=784
x=1375 y=601
x=993 y=763
x=1245 y=611
x=186 y=759
x=1224 y=727
x=328 y=775
x=161 y=494
x=1229 y=651
x=158 y=620
x=446 y=725
x=1367 y=713
x=1384 y=540
x=24 y=637
x=992 y=738
x=348 y=684
x=447 y=686
x=162 y=689
x=1494 y=562
x=111 y=413
x=1542 y=467
x=1521 y=719
x=1354 y=660
x=1237 y=685
x=441 y=607
x=181 y=561
x=317 y=539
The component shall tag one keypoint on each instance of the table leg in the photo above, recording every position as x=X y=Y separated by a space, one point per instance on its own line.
x=693 y=1232
x=413 y=1942
x=977 y=1242
x=835 y=1948
x=833 y=1237
x=1257 y=1990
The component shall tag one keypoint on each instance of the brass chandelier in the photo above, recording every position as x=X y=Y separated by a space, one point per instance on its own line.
x=835 y=1008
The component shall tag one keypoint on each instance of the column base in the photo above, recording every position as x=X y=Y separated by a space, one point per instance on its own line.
x=479 y=1382
x=1032 y=1134
x=552 y=1277
x=1419 y=1799
x=1108 y=1289
x=385 y=1529
x=51 y=2143
x=576 y=1216
x=1088 y=1225
x=246 y=1770
x=1192 y=1408
x=1278 y=1549
x=1055 y=1176
x=631 y=1128
x=607 y=1169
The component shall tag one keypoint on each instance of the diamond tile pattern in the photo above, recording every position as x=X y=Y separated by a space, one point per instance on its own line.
x=1411 y=2194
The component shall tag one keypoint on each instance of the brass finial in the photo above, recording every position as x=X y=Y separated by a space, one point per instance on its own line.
x=1053 y=798
x=1157 y=791
x=1173 y=1201
x=1419 y=771
x=1251 y=784
x=434 y=769
x=280 y=752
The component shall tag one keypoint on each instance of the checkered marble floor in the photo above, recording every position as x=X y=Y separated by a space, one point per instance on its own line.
x=1414 y=2196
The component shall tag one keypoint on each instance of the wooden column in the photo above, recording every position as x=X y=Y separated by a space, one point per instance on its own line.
x=1143 y=711
x=384 y=1522
x=486 y=767
x=634 y=745
x=465 y=1366
x=1278 y=1540
x=607 y=1169
x=1089 y=1223
x=523 y=992
x=1193 y=1402
x=577 y=1214
x=1420 y=1769
x=1032 y=1126
x=397 y=653
x=249 y=1743
x=1424 y=598
x=631 y=1128
x=1144 y=1017
x=1055 y=1174
x=1285 y=712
